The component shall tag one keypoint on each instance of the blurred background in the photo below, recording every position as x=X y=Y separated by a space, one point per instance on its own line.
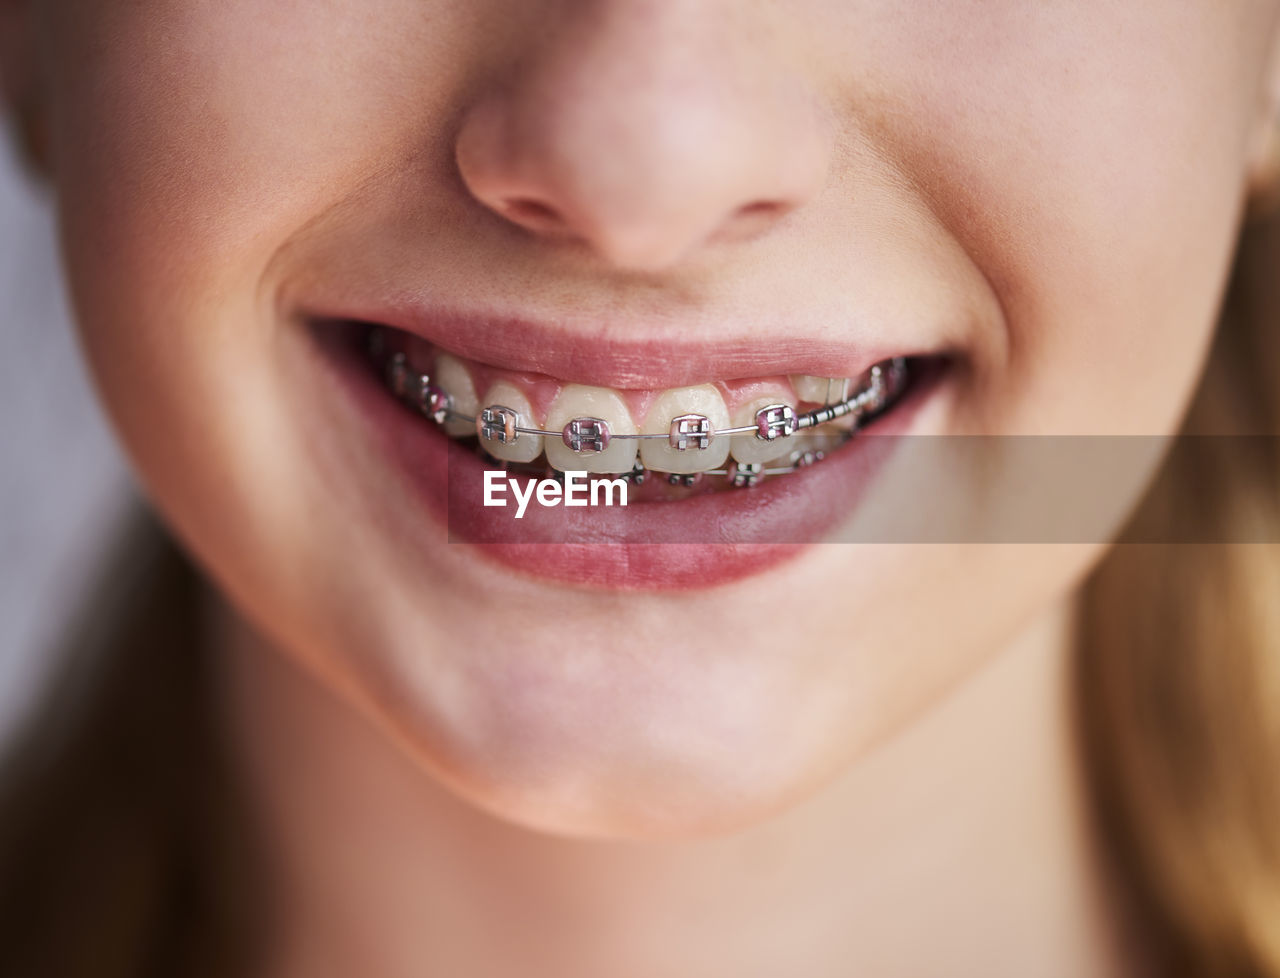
x=62 y=479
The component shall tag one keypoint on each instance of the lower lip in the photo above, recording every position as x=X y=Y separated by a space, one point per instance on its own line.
x=645 y=546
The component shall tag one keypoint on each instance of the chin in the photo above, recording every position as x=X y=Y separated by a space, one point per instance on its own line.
x=617 y=742
x=646 y=797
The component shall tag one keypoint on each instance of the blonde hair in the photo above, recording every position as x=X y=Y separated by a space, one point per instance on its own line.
x=1178 y=666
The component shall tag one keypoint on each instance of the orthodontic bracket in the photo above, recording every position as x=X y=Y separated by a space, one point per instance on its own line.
x=497 y=422
x=434 y=402
x=690 y=431
x=587 y=436
x=776 y=421
x=744 y=475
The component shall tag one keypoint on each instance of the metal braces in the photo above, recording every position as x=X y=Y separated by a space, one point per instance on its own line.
x=586 y=436
x=741 y=474
x=687 y=432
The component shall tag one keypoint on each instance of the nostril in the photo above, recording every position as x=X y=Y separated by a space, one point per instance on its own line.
x=749 y=220
x=531 y=212
x=759 y=208
x=762 y=209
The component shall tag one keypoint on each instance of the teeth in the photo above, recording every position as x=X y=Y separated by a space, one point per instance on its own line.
x=578 y=401
x=397 y=374
x=679 y=426
x=747 y=447
x=524 y=447
x=455 y=379
x=819 y=390
x=703 y=401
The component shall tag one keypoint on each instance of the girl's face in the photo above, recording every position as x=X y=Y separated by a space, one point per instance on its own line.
x=640 y=195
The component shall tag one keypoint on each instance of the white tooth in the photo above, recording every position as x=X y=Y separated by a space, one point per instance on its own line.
x=579 y=401
x=659 y=456
x=818 y=390
x=747 y=447
x=526 y=447
x=455 y=380
x=809 y=387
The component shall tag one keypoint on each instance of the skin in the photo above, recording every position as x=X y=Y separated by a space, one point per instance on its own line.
x=1049 y=191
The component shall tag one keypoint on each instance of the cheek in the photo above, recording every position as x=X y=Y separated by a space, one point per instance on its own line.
x=199 y=138
x=1092 y=170
x=191 y=142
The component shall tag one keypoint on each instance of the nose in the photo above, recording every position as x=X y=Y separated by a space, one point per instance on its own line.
x=642 y=130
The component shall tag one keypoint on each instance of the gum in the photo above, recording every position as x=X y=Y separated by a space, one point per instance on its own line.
x=541 y=390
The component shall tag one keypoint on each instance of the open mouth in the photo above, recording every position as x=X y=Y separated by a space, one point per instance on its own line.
x=728 y=476
x=716 y=435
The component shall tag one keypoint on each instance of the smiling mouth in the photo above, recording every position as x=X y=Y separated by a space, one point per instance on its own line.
x=729 y=477
x=694 y=439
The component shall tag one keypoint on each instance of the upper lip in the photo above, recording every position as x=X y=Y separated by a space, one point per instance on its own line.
x=623 y=353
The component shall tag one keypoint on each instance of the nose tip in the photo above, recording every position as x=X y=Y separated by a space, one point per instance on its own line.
x=643 y=159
